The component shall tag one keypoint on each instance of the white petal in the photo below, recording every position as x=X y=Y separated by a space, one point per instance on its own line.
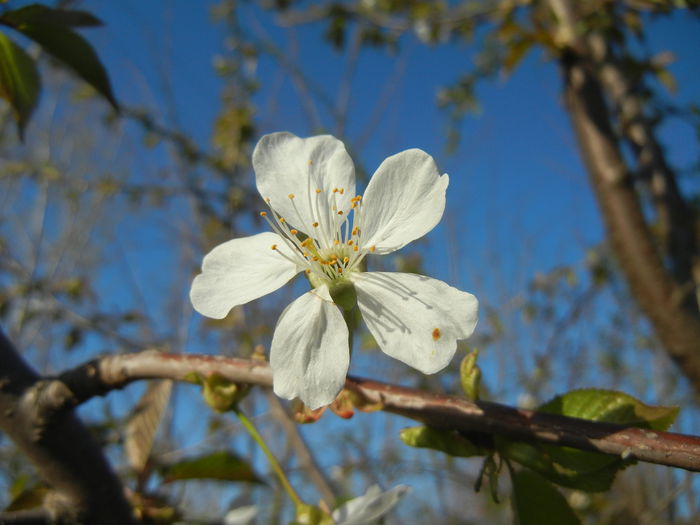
x=241 y=515
x=404 y=200
x=370 y=507
x=288 y=165
x=414 y=318
x=309 y=354
x=239 y=271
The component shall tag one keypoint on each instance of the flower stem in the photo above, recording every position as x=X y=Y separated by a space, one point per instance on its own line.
x=248 y=425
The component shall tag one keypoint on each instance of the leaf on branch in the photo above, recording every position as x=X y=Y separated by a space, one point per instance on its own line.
x=42 y=14
x=450 y=442
x=221 y=466
x=19 y=81
x=536 y=501
x=580 y=469
x=611 y=406
x=51 y=29
x=144 y=422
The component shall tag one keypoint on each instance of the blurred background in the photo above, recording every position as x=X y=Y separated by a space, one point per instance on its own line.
x=105 y=218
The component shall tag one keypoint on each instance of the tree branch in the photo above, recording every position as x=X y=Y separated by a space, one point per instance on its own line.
x=35 y=415
x=446 y=412
x=662 y=299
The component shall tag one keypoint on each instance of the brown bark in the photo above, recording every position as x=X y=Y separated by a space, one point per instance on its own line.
x=665 y=295
x=441 y=411
x=33 y=415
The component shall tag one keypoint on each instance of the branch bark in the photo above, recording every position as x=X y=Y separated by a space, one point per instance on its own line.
x=35 y=414
x=446 y=412
x=667 y=302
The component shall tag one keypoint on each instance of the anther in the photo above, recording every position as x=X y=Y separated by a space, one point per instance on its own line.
x=291 y=195
x=341 y=190
x=355 y=248
x=263 y=214
x=307 y=271
x=318 y=190
x=372 y=248
x=282 y=220
x=340 y=212
x=346 y=260
x=273 y=247
x=315 y=225
x=335 y=190
x=293 y=232
x=350 y=242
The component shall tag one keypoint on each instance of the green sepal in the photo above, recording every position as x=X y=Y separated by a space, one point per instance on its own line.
x=470 y=375
x=450 y=442
x=536 y=501
x=343 y=294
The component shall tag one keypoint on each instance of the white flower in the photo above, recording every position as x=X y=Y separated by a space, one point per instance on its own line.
x=309 y=186
x=370 y=507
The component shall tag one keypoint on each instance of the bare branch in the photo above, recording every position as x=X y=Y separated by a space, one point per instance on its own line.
x=59 y=445
x=440 y=411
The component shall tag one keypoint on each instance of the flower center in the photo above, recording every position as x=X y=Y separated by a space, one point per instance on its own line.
x=330 y=247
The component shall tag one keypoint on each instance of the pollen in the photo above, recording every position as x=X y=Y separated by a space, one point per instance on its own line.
x=436 y=334
x=273 y=247
x=263 y=214
x=291 y=195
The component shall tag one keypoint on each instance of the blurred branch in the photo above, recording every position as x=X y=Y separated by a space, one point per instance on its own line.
x=34 y=414
x=99 y=376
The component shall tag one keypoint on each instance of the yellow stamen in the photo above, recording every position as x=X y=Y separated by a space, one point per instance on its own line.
x=293 y=232
x=315 y=225
x=355 y=248
x=282 y=220
x=436 y=334
x=263 y=214
x=340 y=212
x=273 y=247
x=372 y=248
x=346 y=260
x=318 y=190
x=291 y=195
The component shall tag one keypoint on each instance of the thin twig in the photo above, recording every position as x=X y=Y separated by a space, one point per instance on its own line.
x=441 y=411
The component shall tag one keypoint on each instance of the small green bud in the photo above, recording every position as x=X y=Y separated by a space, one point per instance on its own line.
x=470 y=375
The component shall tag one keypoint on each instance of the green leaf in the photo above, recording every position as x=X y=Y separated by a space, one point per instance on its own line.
x=536 y=501
x=555 y=464
x=448 y=441
x=222 y=466
x=37 y=13
x=19 y=81
x=611 y=406
x=74 y=51
x=580 y=469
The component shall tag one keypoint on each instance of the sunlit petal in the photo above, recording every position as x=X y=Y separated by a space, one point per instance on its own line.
x=239 y=271
x=286 y=165
x=414 y=318
x=404 y=200
x=309 y=354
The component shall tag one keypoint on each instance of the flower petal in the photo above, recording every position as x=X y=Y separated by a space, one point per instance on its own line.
x=404 y=200
x=239 y=271
x=414 y=318
x=370 y=507
x=288 y=165
x=309 y=354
